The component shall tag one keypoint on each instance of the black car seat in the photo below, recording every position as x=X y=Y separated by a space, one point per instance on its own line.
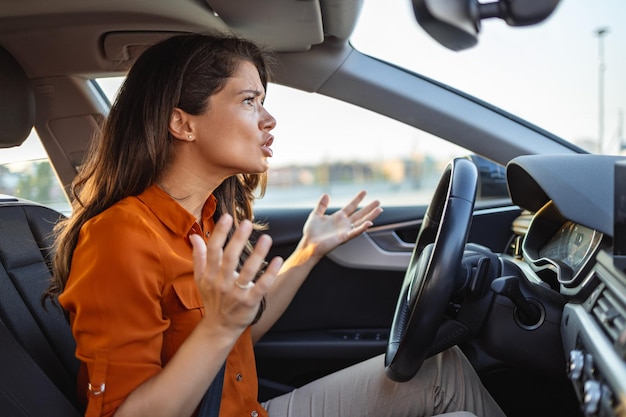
x=37 y=363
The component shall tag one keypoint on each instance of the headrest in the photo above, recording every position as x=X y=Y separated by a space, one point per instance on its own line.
x=17 y=102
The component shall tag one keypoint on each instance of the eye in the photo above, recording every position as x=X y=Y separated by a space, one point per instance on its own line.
x=249 y=100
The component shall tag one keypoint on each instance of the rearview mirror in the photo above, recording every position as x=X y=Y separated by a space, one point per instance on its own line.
x=456 y=23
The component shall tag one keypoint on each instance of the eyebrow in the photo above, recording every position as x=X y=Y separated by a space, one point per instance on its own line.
x=256 y=93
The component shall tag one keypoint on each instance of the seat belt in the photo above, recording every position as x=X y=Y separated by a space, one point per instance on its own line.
x=25 y=390
x=210 y=405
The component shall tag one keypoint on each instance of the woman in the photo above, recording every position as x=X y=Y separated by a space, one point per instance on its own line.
x=156 y=268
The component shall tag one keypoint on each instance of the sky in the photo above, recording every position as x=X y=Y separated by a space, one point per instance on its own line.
x=547 y=73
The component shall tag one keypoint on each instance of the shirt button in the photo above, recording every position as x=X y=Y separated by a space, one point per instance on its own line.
x=254 y=413
x=238 y=377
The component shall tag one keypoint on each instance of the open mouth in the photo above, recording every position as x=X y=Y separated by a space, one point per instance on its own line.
x=266 y=147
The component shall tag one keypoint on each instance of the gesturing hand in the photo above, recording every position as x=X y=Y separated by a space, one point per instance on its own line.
x=232 y=299
x=323 y=232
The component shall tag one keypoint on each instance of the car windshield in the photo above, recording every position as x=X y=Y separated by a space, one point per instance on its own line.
x=565 y=75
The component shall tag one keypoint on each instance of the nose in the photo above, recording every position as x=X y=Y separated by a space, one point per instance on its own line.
x=268 y=122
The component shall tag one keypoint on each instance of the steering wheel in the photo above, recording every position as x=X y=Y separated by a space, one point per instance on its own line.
x=429 y=282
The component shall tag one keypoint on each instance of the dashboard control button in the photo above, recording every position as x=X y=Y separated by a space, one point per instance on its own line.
x=591 y=398
x=576 y=364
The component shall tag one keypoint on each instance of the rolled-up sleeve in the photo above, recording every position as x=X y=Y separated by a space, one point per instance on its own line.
x=114 y=296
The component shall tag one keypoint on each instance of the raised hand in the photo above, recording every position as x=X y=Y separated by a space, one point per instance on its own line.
x=232 y=299
x=324 y=232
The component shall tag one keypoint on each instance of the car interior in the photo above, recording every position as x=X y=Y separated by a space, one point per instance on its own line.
x=530 y=284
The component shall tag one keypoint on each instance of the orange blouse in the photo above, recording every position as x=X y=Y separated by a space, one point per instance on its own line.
x=132 y=301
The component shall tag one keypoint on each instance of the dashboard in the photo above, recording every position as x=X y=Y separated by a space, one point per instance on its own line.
x=569 y=245
x=576 y=260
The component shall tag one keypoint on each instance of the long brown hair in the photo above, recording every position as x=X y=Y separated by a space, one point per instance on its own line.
x=135 y=144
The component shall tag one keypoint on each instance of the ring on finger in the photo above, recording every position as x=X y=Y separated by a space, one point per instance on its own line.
x=246 y=286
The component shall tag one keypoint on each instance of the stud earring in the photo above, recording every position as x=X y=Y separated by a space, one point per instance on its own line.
x=189 y=136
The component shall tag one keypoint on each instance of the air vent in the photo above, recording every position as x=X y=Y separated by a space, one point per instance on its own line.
x=610 y=315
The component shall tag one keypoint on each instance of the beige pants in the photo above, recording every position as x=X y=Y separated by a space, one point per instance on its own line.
x=446 y=383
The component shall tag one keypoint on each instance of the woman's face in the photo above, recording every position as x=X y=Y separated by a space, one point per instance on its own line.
x=233 y=134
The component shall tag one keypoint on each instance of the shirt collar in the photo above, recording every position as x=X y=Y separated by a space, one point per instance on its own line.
x=172 y=214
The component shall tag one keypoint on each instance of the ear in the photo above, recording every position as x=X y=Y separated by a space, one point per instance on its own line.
x=180 y=127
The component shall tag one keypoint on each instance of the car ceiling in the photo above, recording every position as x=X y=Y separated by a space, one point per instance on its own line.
x=104 y=36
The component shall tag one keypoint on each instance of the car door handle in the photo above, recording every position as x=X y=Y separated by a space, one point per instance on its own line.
x=373 y=252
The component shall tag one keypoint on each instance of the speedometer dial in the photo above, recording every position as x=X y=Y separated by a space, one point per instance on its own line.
x=569 y=245
x=572 y=245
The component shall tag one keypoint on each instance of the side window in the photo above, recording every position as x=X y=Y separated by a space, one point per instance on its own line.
x=25 y=172
x=326 y=145
x=491 y=179
x=323 y=145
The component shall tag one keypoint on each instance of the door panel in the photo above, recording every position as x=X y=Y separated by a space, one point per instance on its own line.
x=343 y=312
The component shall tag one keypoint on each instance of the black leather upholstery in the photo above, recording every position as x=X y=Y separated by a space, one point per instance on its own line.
x=43 y=334
x=37 y=364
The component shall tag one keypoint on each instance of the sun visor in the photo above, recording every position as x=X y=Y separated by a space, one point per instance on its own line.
x=282 y=26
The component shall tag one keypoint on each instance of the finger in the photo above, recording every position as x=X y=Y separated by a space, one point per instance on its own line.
x=369 y=212
x=374 y=212
x=220 y=233
x=199 y=254
x=322 y=204
x=361 y=222
x=256 y=259
x=354 y=203
x=235 y=247
x=265 y=281
x=357 y=230
x=215 y=244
